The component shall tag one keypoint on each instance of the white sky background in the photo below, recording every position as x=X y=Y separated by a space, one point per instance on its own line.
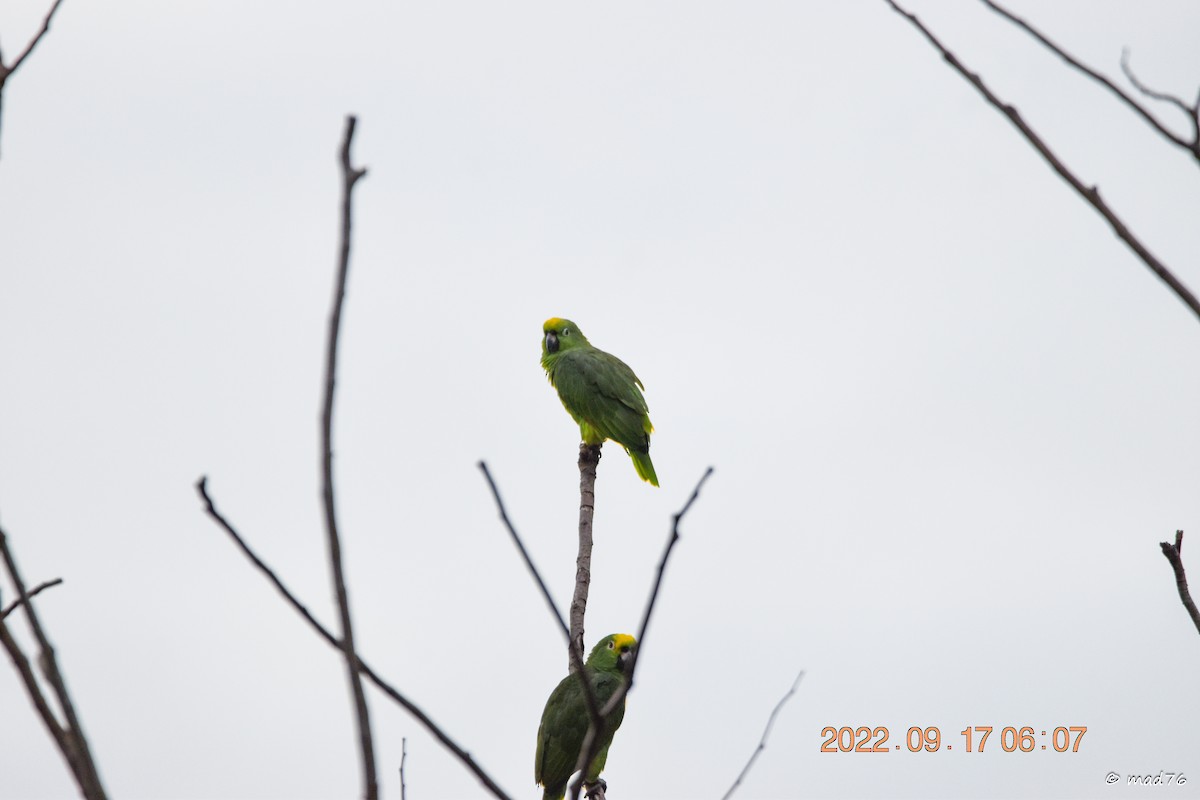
x=951 y=415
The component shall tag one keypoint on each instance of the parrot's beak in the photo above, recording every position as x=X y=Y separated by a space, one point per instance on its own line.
x=551 y=342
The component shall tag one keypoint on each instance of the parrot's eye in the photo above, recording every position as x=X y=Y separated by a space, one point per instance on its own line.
x=566 y=331
x=610 y=645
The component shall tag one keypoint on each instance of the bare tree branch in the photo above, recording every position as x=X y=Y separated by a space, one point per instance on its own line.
x=1192 y=112
x=662 y=566
x=1090 y=194
x=403 y=758
x=1174 y=554
x=25 y=670
x=1162 y=97
x=350 y=176
x=591 y=740
x=537 y=577
x=363 y=667
x=1192 y=147
x=69 y=737
x=574 y=656
x=589 y=459
x=762 y=743
x=41 y=587
x=9 y=70
x=6 y=72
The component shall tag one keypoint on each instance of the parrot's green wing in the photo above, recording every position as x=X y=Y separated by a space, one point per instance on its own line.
x=564 y=726
x=601 y=390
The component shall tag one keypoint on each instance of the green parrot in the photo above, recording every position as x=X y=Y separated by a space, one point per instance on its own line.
x=565 y=719
x=599 y=391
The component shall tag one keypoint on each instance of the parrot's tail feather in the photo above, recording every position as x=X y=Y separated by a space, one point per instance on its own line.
x=644 y=467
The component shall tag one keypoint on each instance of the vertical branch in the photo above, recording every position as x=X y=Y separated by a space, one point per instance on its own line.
x=350 y=176
x=403 y=758
x=69 y=738
x=589 y=459
x=1174 y=554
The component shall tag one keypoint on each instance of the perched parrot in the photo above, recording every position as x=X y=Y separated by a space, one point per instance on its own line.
x=565 y=719
x=599 y=391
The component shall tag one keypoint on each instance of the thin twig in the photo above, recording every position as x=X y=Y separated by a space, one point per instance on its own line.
x=350 y=176
x=1162 y=97
x=589 y=460
x=7 y=71
x=364 y=668
x=77 y=752
x=41 y=587
x=403 y=758
x=525 y=553
x=591 y=739
x=25 y=670
x=1193 y=146
x=297 y=606
x=1090 y=194
x=762 y=743
x=1191 y=112
x=662 y=566
x=1174 y=554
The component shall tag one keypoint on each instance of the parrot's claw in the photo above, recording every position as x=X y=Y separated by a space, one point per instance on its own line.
x=596 y=790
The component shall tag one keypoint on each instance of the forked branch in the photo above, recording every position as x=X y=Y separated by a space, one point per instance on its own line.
x=356 y=667
x=68 y=735
x=574 y=657
x=7 y=71
x=1192 y=112
x=1089 y=193
x=591 y=741
x=1174 y=554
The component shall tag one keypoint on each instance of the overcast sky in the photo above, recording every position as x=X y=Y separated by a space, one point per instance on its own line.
x=951 y=415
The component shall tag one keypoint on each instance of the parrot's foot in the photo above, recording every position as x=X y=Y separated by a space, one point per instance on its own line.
x=595 y=791
x=589 y=453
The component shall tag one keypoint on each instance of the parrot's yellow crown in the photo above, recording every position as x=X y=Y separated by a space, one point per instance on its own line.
x=553 y=323
x=623 y=639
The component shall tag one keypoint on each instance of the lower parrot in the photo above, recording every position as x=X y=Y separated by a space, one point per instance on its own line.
x=565 y=719
x=599 y=391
